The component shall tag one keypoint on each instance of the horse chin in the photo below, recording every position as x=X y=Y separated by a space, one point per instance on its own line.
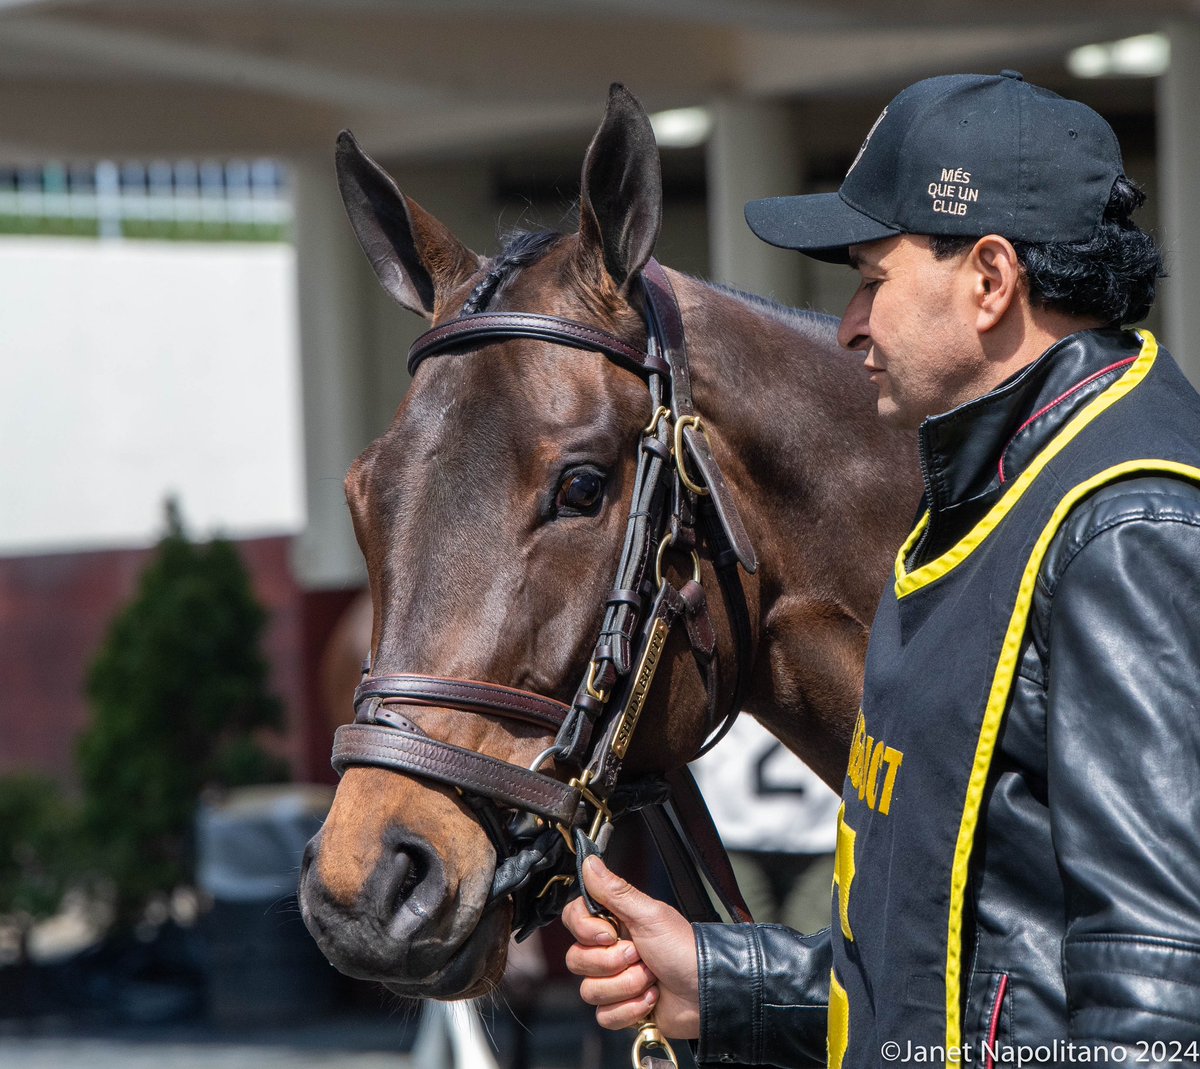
x=414 y=955
x=472 y=970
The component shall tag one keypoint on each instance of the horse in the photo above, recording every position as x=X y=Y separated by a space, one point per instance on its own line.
x=491 y=514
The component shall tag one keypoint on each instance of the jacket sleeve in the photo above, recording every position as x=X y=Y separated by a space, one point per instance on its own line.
x=764 y=991
x=1123 y=749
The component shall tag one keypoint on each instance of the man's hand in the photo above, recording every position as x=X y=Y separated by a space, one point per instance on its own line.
x=652 y=970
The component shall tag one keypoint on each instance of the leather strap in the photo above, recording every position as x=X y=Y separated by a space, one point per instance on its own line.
x=682 y=874
x=662 y=299
x=466 y=694
x=476 y=326
x=708 y=850
x=418 y=755
x=693 y=854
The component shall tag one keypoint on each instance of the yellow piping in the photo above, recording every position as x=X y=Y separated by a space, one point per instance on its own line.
x=906 y=583
x=997 y=702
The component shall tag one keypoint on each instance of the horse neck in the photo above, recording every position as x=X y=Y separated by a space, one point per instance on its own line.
x=826 y=493
x=793 y=421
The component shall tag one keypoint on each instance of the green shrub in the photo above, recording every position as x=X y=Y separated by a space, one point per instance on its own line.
x=178 y=691
x=36 y=828
x=37 y=851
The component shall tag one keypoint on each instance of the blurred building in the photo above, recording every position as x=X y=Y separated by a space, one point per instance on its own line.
x=482 y=109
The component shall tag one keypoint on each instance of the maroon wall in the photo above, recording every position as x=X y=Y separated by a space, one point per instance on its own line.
x=55 y=609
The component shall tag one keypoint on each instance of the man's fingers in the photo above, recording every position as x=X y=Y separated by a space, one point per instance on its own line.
x=629 y=984
x=601 y=961
x=629 y=905
x=627 y=1014
x=588 y=930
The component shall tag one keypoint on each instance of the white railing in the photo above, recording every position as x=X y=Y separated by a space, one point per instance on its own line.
x=232 y=198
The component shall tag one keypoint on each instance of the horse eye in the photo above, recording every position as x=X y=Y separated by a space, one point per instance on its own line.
x=580 y=491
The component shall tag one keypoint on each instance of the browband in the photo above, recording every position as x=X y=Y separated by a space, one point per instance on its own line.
x=476 y=326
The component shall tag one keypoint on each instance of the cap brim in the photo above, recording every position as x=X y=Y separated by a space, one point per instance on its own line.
x=822 y=225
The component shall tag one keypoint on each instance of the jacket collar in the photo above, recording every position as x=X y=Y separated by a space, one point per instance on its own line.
x=969 y=454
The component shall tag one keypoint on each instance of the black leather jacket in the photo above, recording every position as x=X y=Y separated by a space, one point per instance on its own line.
x=1084 y=899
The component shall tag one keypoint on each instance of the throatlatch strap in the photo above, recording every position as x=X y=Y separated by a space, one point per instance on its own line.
x=665 y=307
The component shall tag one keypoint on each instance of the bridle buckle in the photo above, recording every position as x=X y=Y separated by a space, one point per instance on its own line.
x=660 y=413
x=599 y=693
x=681 y=425
x=603 y=813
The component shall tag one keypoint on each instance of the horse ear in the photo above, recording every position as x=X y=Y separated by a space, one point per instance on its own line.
x=416 y=257
x=620 y=210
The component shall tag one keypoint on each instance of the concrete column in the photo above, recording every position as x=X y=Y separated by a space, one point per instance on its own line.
x=752 y=152
x=1179 y=164
x=331 y=278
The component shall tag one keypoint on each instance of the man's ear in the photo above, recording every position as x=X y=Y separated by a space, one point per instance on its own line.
x=997 y=278
x=417 y=259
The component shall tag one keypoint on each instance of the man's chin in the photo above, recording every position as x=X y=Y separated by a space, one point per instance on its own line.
x=892 y=415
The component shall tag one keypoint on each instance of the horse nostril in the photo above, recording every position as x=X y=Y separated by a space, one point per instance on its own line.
x=409 y=879
x=310 y=853
x=408 y=869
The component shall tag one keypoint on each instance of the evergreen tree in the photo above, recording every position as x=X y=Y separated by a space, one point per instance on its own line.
x=178 y=690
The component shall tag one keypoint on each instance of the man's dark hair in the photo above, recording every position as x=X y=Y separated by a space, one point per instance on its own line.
x=1112 y=277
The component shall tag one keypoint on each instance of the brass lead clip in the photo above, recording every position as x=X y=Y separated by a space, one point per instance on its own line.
x=603 y=815
x=649 y=1036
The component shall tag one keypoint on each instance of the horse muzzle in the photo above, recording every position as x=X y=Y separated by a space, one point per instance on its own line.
x=405 y=925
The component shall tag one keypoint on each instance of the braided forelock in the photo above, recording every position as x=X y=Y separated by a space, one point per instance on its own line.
x=520 y=249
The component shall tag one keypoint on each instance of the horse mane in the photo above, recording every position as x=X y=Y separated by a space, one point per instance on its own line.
x=804 y=320
x=520 y=248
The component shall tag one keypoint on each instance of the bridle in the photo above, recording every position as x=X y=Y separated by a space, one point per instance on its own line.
x=542 y=827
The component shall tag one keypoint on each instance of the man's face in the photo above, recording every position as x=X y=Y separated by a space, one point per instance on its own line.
x=911 y=319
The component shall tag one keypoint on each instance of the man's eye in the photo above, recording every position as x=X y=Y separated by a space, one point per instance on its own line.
x=579 y=492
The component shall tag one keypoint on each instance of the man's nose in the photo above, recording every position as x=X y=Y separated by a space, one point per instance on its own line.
x=852 y=331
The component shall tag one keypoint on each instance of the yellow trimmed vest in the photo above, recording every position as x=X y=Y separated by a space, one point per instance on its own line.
x=944 y=650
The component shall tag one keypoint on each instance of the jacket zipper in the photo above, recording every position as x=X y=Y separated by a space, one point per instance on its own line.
x=915 y=554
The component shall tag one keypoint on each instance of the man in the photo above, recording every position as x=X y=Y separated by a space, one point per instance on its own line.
x=1018 y=860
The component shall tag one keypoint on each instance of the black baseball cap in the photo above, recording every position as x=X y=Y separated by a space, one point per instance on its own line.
x=962 y=155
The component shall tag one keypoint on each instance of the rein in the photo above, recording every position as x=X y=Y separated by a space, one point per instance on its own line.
x=541 y=827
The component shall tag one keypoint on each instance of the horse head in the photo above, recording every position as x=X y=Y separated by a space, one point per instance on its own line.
x=494 y=513
x=491 y=514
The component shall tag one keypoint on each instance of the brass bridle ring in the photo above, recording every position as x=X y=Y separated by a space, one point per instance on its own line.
x=680 y=465
x=668 y=540
x=660 y=413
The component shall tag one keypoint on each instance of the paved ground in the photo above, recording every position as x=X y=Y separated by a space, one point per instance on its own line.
x=348 y=1042
x=561 y=1038
x=51 y=1053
